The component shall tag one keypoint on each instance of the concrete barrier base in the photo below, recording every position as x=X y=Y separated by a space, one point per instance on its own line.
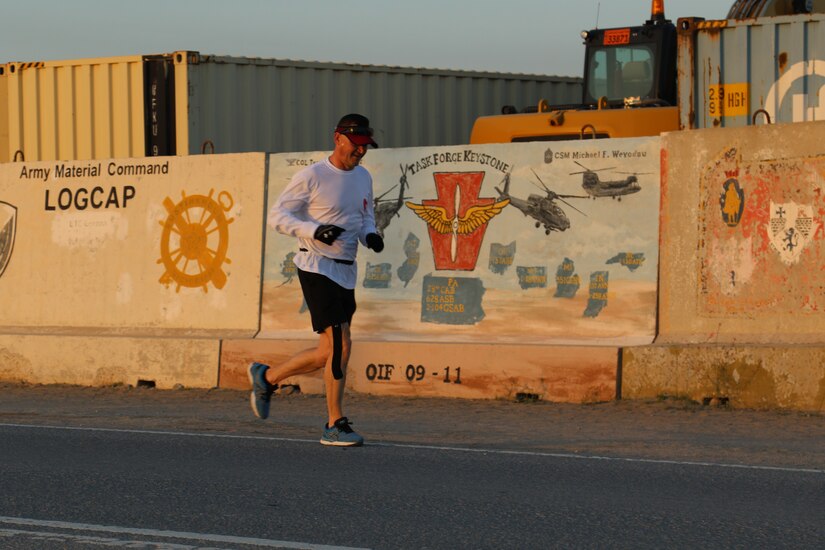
x=98 y=361
x=550 y=373
x=741 y=376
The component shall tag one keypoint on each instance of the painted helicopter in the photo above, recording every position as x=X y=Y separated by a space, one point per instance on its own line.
x=596 y=187
x=385 y=209
x=543 y=209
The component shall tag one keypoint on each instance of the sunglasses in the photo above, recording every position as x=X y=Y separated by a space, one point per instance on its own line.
x=354 y=130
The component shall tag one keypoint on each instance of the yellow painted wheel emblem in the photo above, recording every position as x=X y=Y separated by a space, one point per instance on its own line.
x=195 y=239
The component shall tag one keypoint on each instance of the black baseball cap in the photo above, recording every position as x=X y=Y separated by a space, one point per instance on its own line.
x=357 y=129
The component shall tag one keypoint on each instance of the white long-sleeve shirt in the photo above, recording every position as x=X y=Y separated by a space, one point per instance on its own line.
x=323 y=194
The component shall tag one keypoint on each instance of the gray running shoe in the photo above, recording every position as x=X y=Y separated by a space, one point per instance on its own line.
x=261 y=389
x=341 y=435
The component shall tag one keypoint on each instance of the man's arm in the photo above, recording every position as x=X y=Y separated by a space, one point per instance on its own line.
x=285 y=215
x=372 y=239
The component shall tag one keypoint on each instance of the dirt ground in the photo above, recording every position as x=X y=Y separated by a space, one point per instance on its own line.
x=658 y=429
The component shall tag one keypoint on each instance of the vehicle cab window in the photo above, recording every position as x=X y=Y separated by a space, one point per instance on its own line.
x=621 y=72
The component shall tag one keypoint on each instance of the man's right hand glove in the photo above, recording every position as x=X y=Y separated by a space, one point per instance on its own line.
x=327 y=233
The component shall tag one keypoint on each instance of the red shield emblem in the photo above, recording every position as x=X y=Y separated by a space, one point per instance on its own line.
x=457 y=219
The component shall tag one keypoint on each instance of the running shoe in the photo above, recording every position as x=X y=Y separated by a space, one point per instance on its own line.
x=341 y=435
x=261 y=389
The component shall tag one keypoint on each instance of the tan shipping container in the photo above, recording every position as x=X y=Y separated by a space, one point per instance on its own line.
x=70 y=110
x=187 y=103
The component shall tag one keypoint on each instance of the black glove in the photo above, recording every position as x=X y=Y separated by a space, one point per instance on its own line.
x=327 y=233
x=375 y=242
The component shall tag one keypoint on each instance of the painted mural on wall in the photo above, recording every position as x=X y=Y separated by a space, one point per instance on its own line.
x=761 y=236
x=195 y=240
x=531 y=243
x=8 y=229
x=132 y=246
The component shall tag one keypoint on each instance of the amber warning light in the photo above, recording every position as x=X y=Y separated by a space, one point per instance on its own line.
x=657 y=9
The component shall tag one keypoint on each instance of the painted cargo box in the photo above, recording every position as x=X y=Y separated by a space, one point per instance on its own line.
x=741 y=72
x=184 y=103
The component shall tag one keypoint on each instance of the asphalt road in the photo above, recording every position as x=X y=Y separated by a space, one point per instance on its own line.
x=386 y=496
x=75 y=474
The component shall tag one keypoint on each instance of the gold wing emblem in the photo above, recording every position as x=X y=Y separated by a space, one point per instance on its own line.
x=475 y=217
x=435 y=216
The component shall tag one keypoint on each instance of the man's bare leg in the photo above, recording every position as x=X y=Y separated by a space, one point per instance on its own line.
x=335 y=376
x=304 y=362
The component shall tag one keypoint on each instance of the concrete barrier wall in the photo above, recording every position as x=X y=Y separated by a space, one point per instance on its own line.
x=742 y=248
x=165 y=247
x=511 y=309
x=103 y=361
x=477 y=371
x=125 y=270
x=128 y=270
x=741 y=271
x=752 y=376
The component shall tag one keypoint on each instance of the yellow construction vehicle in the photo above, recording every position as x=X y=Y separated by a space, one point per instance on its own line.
x=630 y=80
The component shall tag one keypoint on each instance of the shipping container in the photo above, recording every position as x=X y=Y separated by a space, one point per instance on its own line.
x=751 y=71
x=4 y=115
x=187 y=103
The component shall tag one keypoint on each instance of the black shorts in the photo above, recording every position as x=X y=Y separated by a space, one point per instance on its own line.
x=328 y=302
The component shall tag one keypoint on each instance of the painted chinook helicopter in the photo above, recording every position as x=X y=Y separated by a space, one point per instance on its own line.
x=596 y=187
x=542 y=209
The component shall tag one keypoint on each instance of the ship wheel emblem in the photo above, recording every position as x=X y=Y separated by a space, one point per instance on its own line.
x=194 y=241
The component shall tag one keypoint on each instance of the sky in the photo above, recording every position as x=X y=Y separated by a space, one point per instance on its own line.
x=515 y=36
